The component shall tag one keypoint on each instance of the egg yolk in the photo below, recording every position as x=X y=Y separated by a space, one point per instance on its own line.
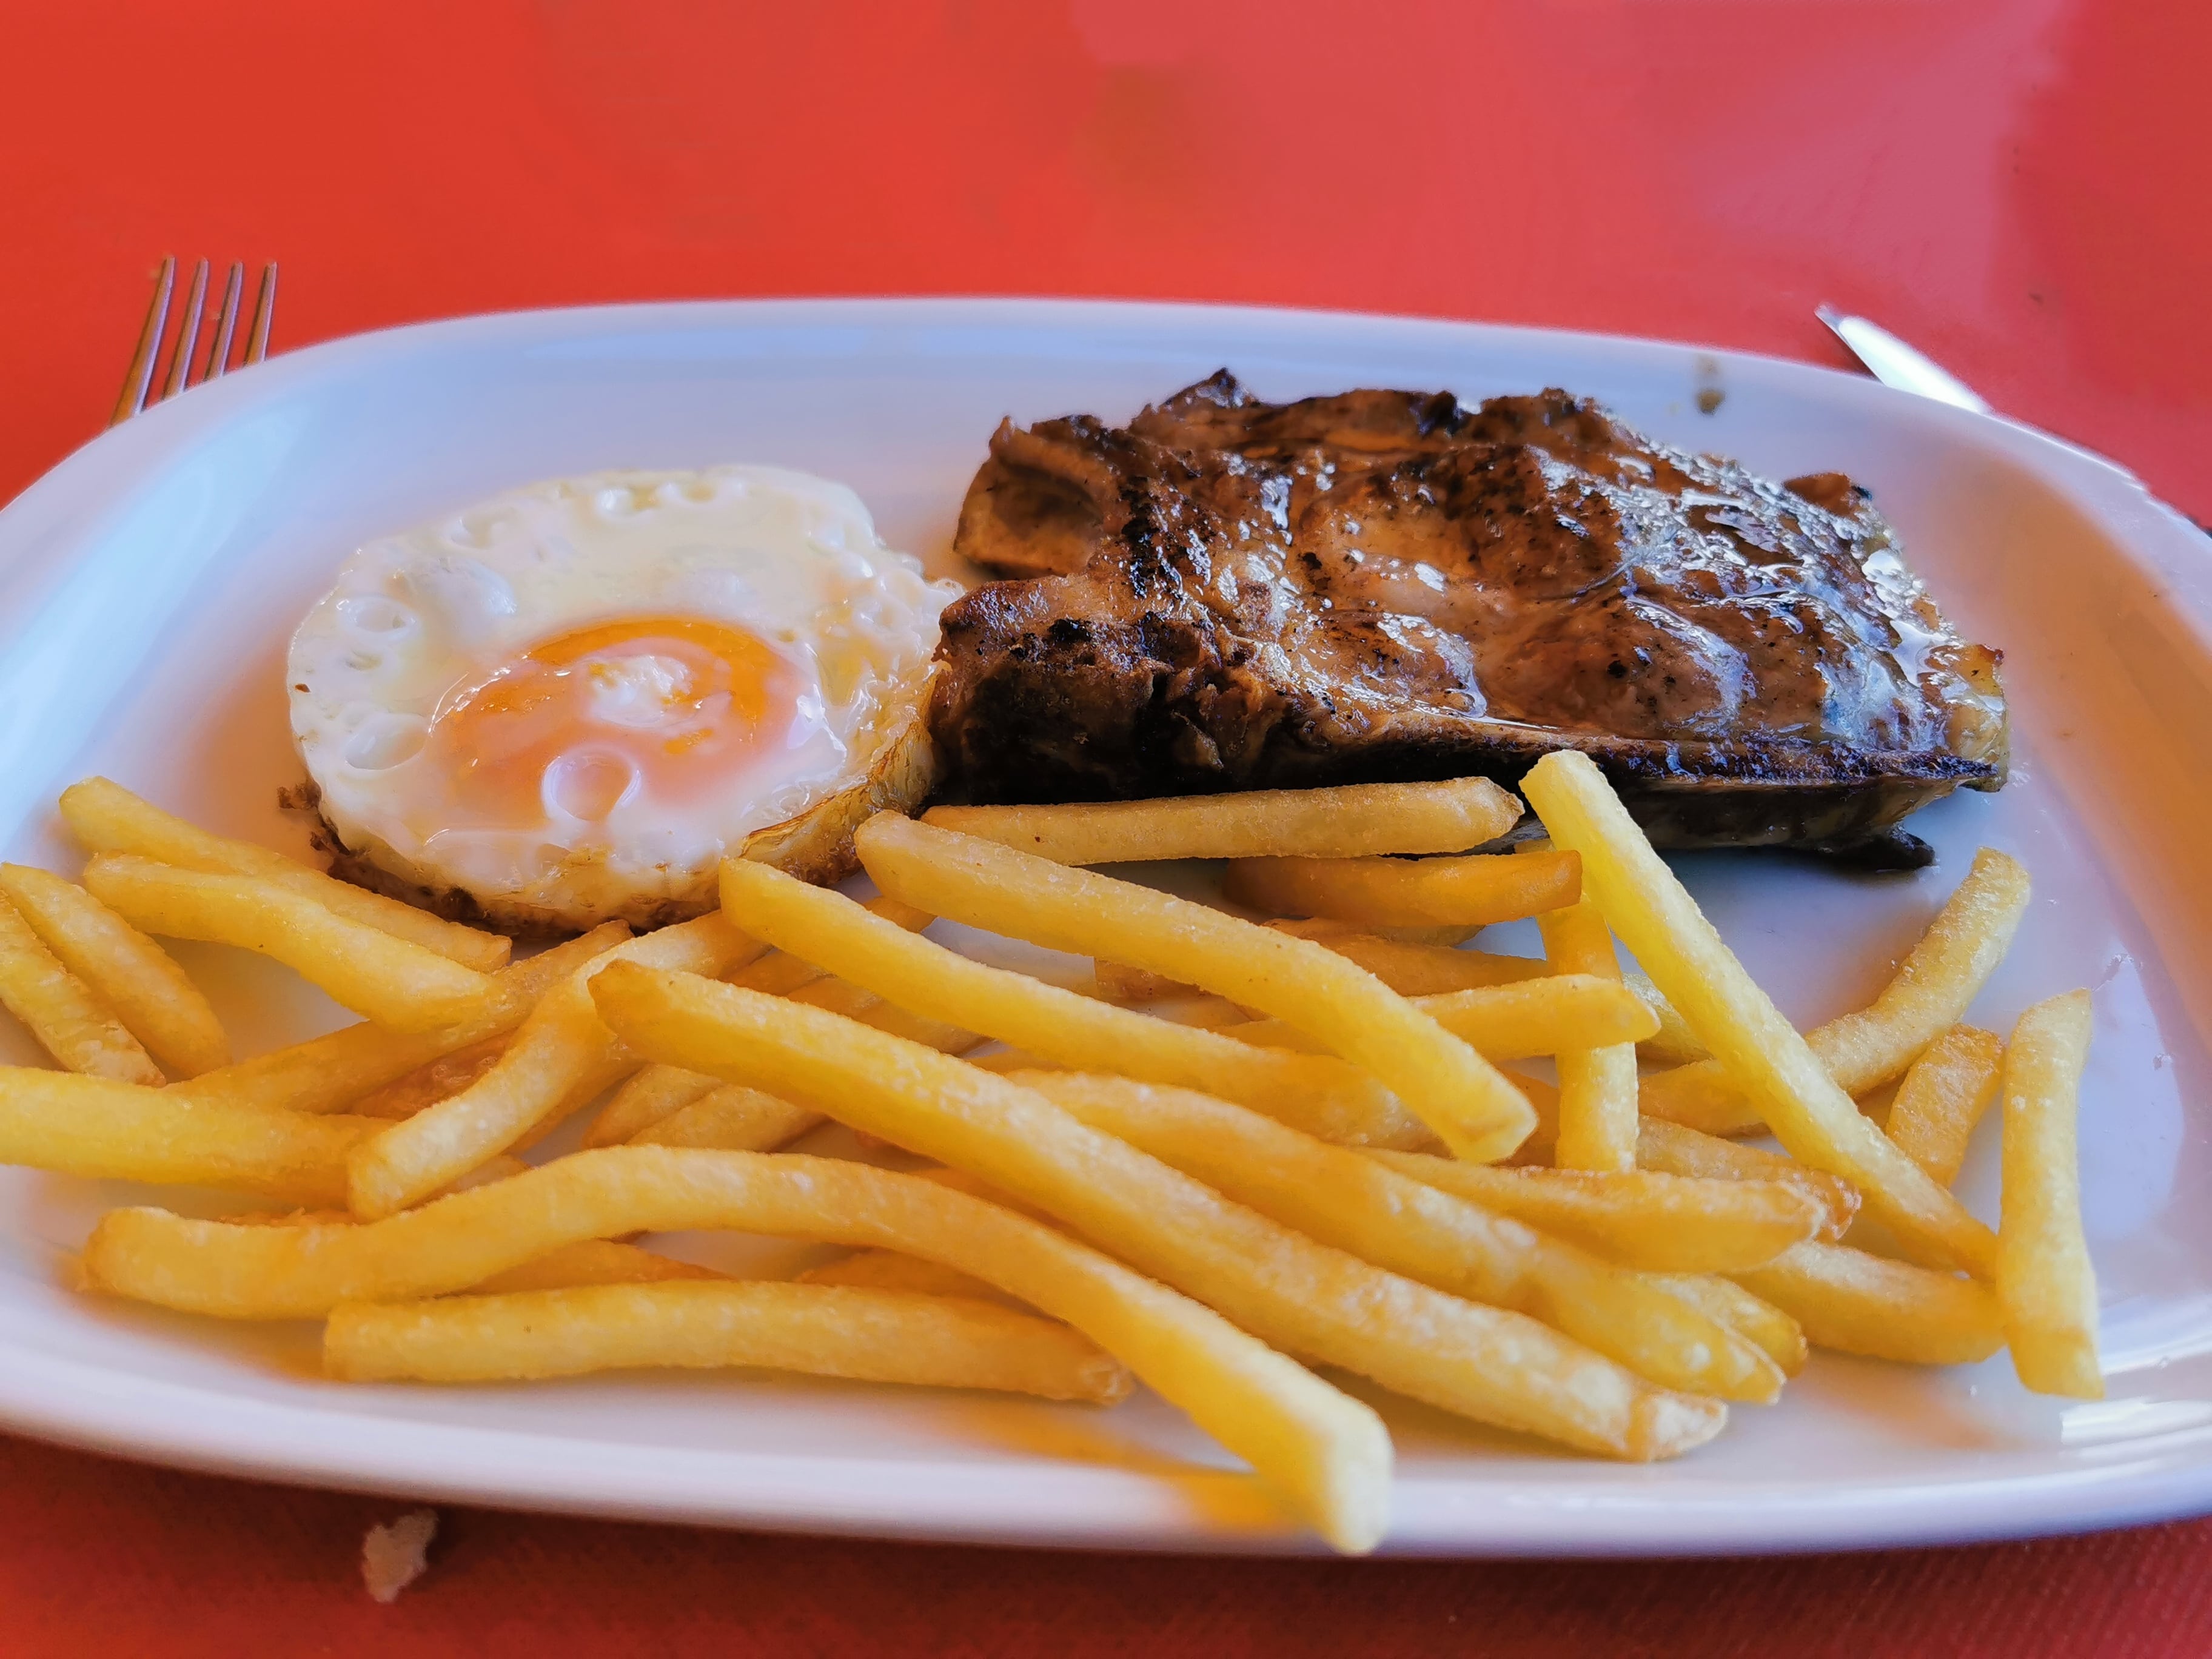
x=577 y=725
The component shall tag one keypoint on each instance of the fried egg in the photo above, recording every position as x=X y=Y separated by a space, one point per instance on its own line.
x=570 y=702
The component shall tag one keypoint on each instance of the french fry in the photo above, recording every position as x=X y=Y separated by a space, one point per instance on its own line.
x=1472 y=891
x=426 y=1084
x=1854 y=1303
x=561 y=1057
x=839 y=996
x=1335 y=1195
x=892 y=1270
x=732 y=1117
x=1411 y=970
x=1451 y=1088
x=779 y=973
x=876 y=1336
x=65 y=1014
x=1761 y=1051
x=1484 y=1363
x=491 y=1169
x=1597 y=1083
x=649 y=1096
x=1674 y=1040
x=1314 y=1092
x=108 y=818
x=1943 y=1098
x=657 y=1093
x=1928 y=995
x=105 y=1130
x=156 y=1002
x=1437 y=938
x=328 y=1072
x=2045 y=1285
x=1544 y=1099
x=1326 y=1454
x=592 y=1261
x=1119 y=984
x=1672 y=1150
x=1347 y=821
x=1550 y=1016
x=1667 y=1223
x=1755 y=1319
x=387 y=981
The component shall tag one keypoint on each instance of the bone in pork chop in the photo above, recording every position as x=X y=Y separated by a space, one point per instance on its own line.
x=1232 y=594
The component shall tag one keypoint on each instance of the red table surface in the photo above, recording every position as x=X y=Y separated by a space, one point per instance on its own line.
x=2018 y=188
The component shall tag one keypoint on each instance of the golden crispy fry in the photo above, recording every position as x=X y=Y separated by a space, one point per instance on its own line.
x=561 y=1058
x=1316 y=1092
x=327 y=1073
x=1469 y=892
x=2045 y=1285
x=1119 y=984
x=1597 y=1084
x=839 y=996
x=733 y=1117
x=1410 y=970
x=892 y=1270
x=1483 y=1363
x=592 y=1261
x=656 y=1093
x=1327 y=1454
x=108 y=818
x=1752 y=1318
x=1548 y=1016
x=1430 y=971
x=1186 y=1005
x=94 y=1126
x=1348 y=821
x=441 y=1080
x=1438 y=938
x=1544 y=1098
x=1451 y=1088
x=779 y=974
x=1928 y=994
x=1672 y=1150
x=825 y=1330
x=1943 y=1098
x=1761 y=1052
x=649 y=1096
x=1668 y=1224
x=1337 y=1196
x=1674 y=1040
x=76 y=1026
x=151 y=995
x=384 y=979
x=1855 y=1302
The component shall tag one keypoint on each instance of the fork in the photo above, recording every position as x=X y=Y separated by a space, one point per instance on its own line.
x=139 y=382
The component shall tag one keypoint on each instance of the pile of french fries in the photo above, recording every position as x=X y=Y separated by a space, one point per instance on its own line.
x=1248 y=1152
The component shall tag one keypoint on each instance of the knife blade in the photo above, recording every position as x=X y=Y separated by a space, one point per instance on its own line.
x=1892 y=362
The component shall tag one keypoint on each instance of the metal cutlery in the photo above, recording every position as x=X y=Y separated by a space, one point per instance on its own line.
x=184 y=346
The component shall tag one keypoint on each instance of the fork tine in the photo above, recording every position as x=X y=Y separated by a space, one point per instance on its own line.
x=188 y=334
x=265 y=313
x=226 y=320
x=149 y=344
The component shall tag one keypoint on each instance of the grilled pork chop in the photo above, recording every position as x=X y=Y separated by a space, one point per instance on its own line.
x=1233 y=594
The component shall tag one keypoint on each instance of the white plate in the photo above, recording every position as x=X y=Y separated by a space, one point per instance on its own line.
x=146 y=587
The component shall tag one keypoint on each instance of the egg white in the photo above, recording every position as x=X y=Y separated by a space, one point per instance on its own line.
x=414 y=620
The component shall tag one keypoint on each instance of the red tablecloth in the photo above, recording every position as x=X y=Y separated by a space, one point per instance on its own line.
x=2019 y=188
